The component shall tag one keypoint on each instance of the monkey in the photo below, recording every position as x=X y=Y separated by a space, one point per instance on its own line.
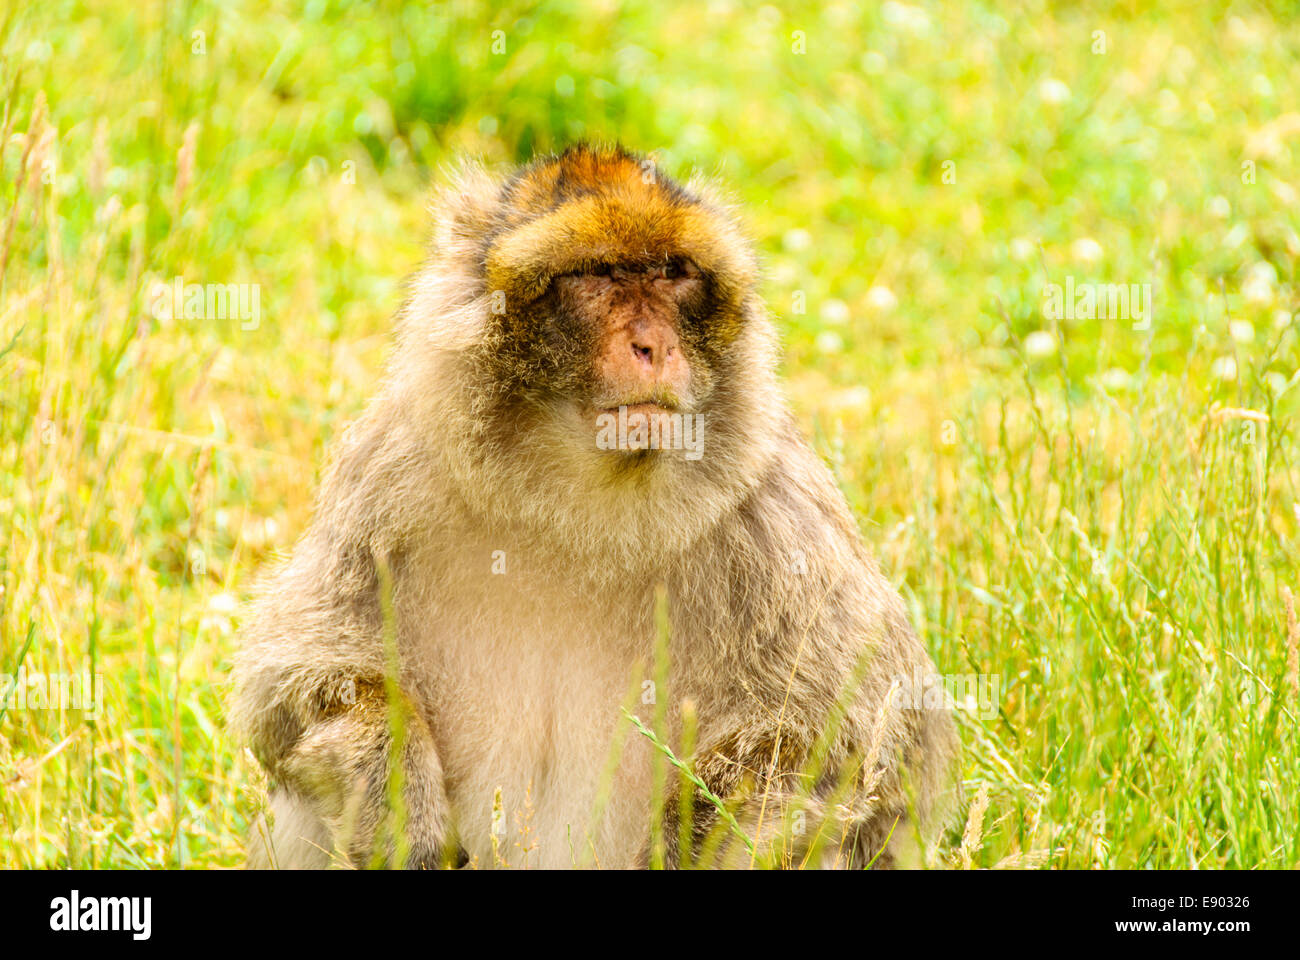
x=441 y=669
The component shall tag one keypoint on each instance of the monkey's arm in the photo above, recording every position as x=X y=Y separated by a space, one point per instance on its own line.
x=803 y=668
x=346 y=765
x=310 y=701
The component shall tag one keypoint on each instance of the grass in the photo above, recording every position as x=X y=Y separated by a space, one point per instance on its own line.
x=1101 y=517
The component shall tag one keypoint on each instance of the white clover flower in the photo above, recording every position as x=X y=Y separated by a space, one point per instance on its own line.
x=796 y=239
x=905 y=17
x=1040 y=343
x=828 y=341
x=1086 y=250
x=223 y=604
x=1022 y=248
x=1053 y=91
x=1224 y=368
x=835 y=311
x=881 y=298
x=1116 y=379
x=1257 y=287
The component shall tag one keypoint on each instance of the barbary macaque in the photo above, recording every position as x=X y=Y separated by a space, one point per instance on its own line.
x=579 y=471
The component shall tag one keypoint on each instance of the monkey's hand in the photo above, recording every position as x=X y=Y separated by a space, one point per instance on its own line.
x=365 y=768
x=778 y=814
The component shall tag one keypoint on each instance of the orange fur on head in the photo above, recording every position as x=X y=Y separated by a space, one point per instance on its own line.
x=590 y=206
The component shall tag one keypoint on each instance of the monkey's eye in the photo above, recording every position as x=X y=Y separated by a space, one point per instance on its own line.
x=678 y=268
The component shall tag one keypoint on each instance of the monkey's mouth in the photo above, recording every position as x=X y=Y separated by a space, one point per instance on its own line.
x=660 y=402
x=644 y=407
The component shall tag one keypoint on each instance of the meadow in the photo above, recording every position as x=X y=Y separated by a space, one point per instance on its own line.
x=1093 y=508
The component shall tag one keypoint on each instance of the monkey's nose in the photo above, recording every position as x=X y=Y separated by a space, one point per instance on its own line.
x=647 y=353
x=644 y=353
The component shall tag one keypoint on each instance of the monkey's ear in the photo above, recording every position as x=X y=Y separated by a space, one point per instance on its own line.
x=443 y=308
x=462 y=210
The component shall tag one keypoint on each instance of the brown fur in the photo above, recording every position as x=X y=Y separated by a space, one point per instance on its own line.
x=514 y=681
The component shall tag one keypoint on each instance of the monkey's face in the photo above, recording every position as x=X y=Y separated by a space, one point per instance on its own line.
x=637 y=322
x=622 y=346
x=620 y=296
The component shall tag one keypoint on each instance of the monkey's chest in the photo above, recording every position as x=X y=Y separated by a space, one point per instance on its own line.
x=541 y=767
